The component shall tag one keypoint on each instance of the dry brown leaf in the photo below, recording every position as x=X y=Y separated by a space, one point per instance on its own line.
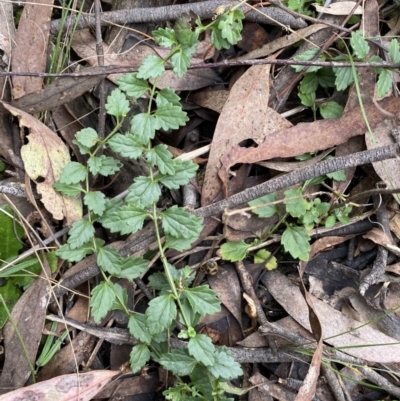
x=339 y=8
x=30 y=51
x=84 y=45
x=211 y=99
x=310 y=137
x=339 y=330
x=246 y=115
x=45 y=156
x=378 y=236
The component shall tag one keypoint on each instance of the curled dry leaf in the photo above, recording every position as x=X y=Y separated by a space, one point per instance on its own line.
x=339 y=8
x=45 y=157
x=82 y=387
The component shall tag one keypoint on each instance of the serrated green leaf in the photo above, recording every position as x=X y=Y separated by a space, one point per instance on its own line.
x=132 y=267
x=101 y=301
x=104 y=165
x=121 y=297
x=330 y=221
x=331 y=109
x=309 y=83
x=139 y=355
x=308 y=55
x=179 y=244
x=137 y=326
x=127 y=219
x=200 y=380
x=181 y=224
x=74 y=255
x=165 y=37
x=339 y=175
x=160 y=313
x=202 y=349
x=225 y=367
x=203 y=300
x=326 y=77
x=230 y=24
x=307 y=99
x=384 y=84
x=234 y=251
x=117 y=104
x=167 y=95
x=184 y=34
x=109 y=260
x=87 y=137
x=179 y=362
x=295 y=207
x=161 y=157
x=80 y=233
x=296 y=241
x=133 y=86
x=68 y=189
x=128 y=145
x=84 y=150
x=359 y=44
x=169 y=116
x=143 y=192
x=95 y=201
x=265 y=210
x=394 y=50
x=73 y=173
x=376 y=59
x=144 y=125
x=178 y=393
x=152 y=67
x=184 y=171
x=217 y=40
x=159 y=282
x=344 y=78
x=180 y=62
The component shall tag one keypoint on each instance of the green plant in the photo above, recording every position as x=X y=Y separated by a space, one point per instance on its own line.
x=342 y=78
x=177 y=304
x=299 y=218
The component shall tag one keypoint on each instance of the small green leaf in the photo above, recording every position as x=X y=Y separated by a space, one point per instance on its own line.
x=152 y=67
x=159 y=282
x=128 y=145
x=80 y=233
x=339 y=175
x=308 y=55
x=104 y=165
x=225 y=367
x=101 y=301
x=295 y=207
x=165 y=37
x=132 y=267
x=144 y=192
x=296 y=241
x=180 y=63
x=179 y=244
x=331 y=109
x=376 y=59
x=121 y=297
x=127 y=219
x=109 y=260
x=68 y=189
x=133 y=86
x=184 y=171
x=74 y=255
x=394 y=50
x=217 y=40
x=265 y=210
x=87 y=137
x=330 y=221
x=73 y=173
x=184 y=34
x=167 y=95
x=307 y=99
x=169 y=116
x=139 y=355
x=181 y=224
x=117 y=104
x=160 y=313
x=344 y=78
x=359 y=45
x=309 y=83
x=326 y=77
x=384 y=84
x=161 y=157
x=231 y=25
x=138 y=328
x=10 y=293
x=234 y=251
x=144 y=125
x=202 y=349
x=203 y=300
x=95 y=201
x=179 y=362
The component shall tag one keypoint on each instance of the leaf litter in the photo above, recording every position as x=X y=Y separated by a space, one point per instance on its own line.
x=250 y=143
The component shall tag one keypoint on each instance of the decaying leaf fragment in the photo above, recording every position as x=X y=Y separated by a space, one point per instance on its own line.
x=45 y=156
